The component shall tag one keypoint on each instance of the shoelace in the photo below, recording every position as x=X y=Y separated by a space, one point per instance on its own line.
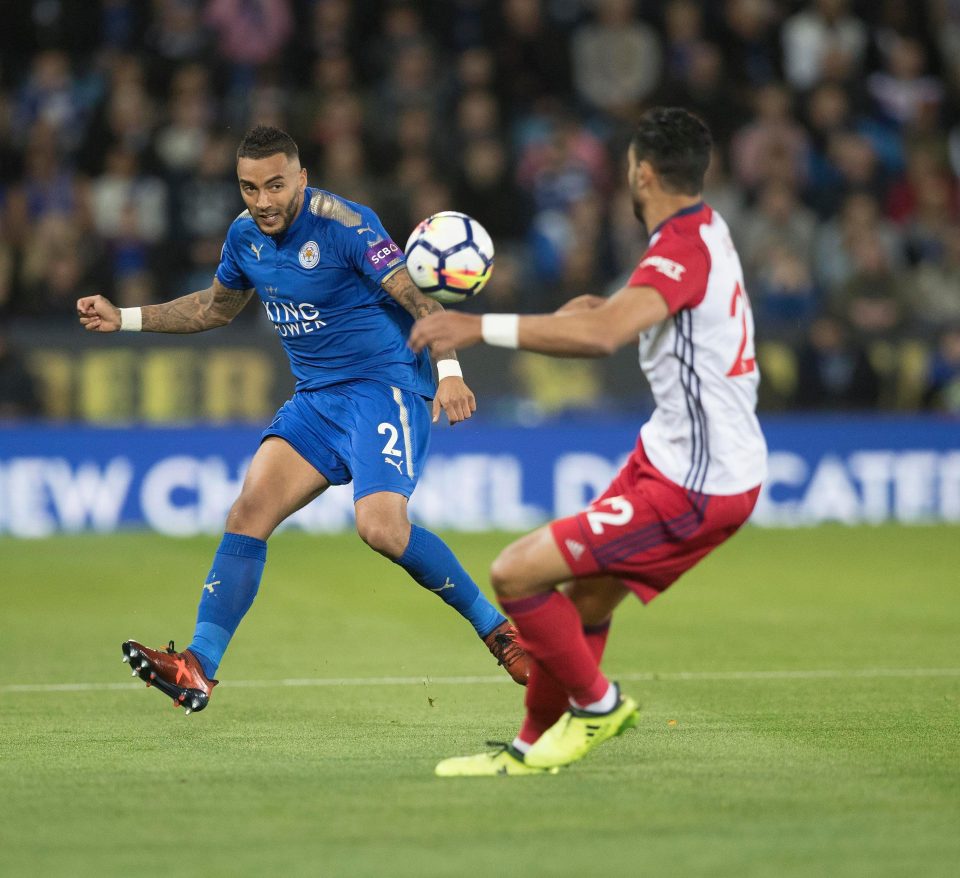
x=505 y=649
x=171 y=650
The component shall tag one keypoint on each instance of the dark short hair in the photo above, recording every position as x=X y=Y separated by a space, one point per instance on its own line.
x=677 y=144
x=263 y=141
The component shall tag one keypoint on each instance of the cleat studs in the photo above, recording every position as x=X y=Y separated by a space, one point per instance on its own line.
x=195 y=703
x=134 y=653
x=133 y=673
x=125 y=658
x=153 y=675
x=187 y=712
x=143 y=664
x=182 y=697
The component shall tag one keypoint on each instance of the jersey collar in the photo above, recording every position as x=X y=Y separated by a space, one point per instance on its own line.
x=684 y=211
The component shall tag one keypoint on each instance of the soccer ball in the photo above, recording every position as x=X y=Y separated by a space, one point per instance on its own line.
x=450 y=256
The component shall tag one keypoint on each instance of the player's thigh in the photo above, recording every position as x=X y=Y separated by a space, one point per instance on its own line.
x=596 y=597
x=531 y=565
x=278 y=483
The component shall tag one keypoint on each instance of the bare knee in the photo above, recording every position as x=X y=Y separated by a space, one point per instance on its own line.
x=248 y=517
x=506 y=574
x=387 y=535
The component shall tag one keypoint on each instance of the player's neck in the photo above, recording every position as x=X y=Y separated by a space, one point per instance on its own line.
x=664 y=206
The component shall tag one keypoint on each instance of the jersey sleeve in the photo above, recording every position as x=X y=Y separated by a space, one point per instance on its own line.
x=229 y=272
x=677 y=268
x=372 y=253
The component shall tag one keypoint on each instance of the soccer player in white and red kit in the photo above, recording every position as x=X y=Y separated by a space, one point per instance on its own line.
x=689 y=484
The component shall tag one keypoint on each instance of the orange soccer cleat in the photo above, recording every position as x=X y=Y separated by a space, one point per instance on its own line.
x=177 y=674
x=508 y=652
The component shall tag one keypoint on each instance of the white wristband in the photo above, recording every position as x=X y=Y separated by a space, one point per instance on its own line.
x=446 y=368
x=501 y=330
x=131 y=319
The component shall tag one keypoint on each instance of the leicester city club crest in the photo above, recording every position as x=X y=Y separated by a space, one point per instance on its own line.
x=309 y=254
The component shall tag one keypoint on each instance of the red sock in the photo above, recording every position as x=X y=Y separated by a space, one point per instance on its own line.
x=552 y=633
x=545 y=698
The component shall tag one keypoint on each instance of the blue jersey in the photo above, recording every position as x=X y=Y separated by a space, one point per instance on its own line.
x=320 y=284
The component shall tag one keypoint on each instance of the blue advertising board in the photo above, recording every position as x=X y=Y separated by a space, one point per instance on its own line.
x=181 y=481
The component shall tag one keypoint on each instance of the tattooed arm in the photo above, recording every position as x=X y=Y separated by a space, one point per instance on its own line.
x=416 y=304
x=196 y=312
x=453 y=395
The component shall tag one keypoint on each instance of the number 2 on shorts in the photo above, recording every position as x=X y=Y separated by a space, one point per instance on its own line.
x=621 y=512
x=388 y=448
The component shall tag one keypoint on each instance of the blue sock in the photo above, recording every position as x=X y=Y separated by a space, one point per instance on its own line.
x=430 y=562
x=229 y=591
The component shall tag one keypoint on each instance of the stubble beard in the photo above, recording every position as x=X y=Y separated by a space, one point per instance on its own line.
x=289 y=215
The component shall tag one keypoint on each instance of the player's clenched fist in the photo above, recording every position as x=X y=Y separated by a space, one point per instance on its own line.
x=98 y=314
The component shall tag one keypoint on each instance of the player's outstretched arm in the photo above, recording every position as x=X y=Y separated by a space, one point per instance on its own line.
x=453 y=395
x=594 y=330
x=196 y=312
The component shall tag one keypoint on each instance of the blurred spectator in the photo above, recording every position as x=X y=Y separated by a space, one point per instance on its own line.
x=903 y=90
x=874 y=301
x=683 y=26
x=60 y=263
x=487 y=191
x=943 y=385
x=124 y=195
x=18 y=394
x=785 y=297
x=935 y=289
x=833 y=255
x=778 y=219
x=616 y=59
x=706 y=90
x=773 y=146
x=750 y=41
x=176 y=32
x=851 y=165
x=834 y=372
x=533 y=62
x=250 y=32
x=821 y=41
x=190 y=110
x=52 y=95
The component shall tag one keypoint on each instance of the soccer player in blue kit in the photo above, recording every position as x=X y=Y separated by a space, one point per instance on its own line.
x=336 y=289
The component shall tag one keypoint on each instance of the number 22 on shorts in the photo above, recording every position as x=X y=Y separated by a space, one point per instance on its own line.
x=621 y=512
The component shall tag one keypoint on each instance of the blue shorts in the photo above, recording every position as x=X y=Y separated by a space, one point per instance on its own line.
x=371 y=433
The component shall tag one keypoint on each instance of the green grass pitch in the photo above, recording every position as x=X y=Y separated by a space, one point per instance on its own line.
x=800 y=695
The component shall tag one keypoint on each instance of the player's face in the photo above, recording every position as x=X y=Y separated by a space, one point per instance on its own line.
x=273 y=190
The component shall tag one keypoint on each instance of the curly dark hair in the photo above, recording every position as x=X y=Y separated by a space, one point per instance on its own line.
x=677 y=143
x=263 y=141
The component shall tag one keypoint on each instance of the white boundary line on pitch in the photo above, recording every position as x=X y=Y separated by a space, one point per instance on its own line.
x=671 y=676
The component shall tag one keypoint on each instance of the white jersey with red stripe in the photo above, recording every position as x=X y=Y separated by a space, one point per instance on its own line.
x=700 y=362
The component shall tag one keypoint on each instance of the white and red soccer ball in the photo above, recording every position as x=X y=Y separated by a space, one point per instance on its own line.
x=450 y=256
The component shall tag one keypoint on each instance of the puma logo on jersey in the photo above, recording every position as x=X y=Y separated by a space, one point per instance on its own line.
x=256 y=250
x=366 y=229
x=575 y=549
x=667 y=267
x=447 y=584
x=396 y=463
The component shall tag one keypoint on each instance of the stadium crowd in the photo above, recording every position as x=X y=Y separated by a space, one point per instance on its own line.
x=837 y=158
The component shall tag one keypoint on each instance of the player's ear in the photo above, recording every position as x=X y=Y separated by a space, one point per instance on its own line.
x=302 y=179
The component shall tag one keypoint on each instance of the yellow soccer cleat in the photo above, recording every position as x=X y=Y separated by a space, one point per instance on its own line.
x=502 y=761
x=577 y=732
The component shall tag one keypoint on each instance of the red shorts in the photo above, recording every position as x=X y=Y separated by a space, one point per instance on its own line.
x=646 y=530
